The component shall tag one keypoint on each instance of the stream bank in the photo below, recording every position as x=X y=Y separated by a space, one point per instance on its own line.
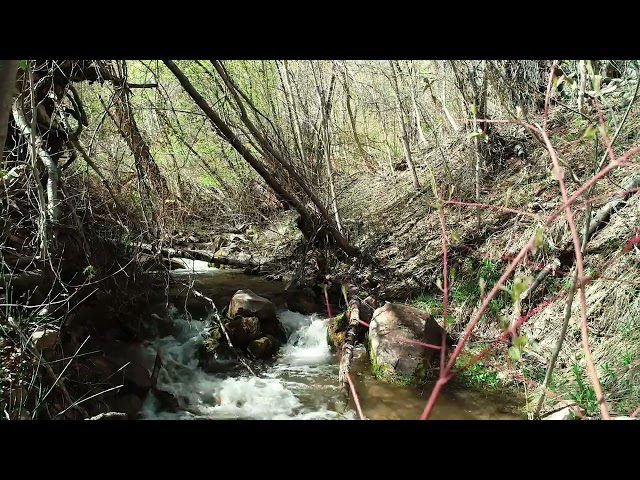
x=300 y=383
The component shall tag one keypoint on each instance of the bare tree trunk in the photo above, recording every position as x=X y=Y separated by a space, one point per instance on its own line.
x=447 y=114
x=293 y=110
x=226 y=133
x=416 y=112
x=52 y=169
x=325 y=109
x=352 y=120
x=145 y=163
x=582 y=75
x=8 y=71
x=405 y=138
x=334 y=230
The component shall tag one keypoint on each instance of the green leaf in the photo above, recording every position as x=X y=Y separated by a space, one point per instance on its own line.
x=521 y=341
x=344 y=292
x=452 y=274
x=514 y=353
x=538 y=239
x=590 y=133
x=24 y=64
x=481 y=135
x=474 y=110
x=520 y=284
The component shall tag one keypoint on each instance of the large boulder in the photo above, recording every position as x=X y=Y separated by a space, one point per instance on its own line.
x=44 y=339
x=395 y=360
x=242 y=331
x=302 y=301
x=246 y=303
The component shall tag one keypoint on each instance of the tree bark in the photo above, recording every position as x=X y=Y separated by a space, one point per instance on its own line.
x=235 y=260
x=349 y=341
x=405 y=138
x=52 y=168
x=226 y=133
x=152 y=182
x=333 y=229
x=8 y=71
x=325 y=109
x=352 y=120
x=416 y=112
x=293 y=110
x=582 y=76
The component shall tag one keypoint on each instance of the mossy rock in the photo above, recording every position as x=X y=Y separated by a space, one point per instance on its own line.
x=336 y=331
x=386 y=373
x=212 y=342
x=264 y=347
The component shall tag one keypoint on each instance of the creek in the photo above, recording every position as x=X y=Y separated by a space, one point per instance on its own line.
x=301 y=383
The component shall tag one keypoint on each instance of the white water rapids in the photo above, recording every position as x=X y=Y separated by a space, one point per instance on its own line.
x=301 y=384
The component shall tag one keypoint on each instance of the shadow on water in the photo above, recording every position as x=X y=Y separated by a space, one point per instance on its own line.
x=301 y=383
x=383 y=401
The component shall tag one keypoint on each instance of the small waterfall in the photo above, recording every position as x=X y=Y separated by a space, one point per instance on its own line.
x=302 y=384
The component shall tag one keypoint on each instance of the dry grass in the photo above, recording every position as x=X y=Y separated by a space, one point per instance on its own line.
x=403 y=235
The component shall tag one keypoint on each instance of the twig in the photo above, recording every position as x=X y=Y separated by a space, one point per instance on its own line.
x=109 y=416
x=354 y=395
x=78 y=146
x=580 y=276
x=156 y=370
x=558 y=347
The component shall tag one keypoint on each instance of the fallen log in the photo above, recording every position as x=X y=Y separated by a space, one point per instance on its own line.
x=24 y=280
x=109 y=416
x=19 y=262
x=359 y=312
x=604 y=214
x=349 y=342
x=241 y=260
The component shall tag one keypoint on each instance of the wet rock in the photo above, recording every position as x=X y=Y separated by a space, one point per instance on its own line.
x=336 y=331
x=162 y=325
x=566 y=413
x=242 y=331
x=246 y=303
x=395 y=360
x=302 y=301
x=137 y=379
x=173 y=263
x=44 y=339
x=264 y=347
x=166 y=400
x=128 y=403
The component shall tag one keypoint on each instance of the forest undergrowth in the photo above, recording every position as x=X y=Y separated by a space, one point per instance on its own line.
x=392 y=190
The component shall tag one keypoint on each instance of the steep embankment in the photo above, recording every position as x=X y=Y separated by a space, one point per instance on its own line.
x=403 y=236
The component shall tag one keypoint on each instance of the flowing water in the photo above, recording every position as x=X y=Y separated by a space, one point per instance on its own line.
x=302 y=383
